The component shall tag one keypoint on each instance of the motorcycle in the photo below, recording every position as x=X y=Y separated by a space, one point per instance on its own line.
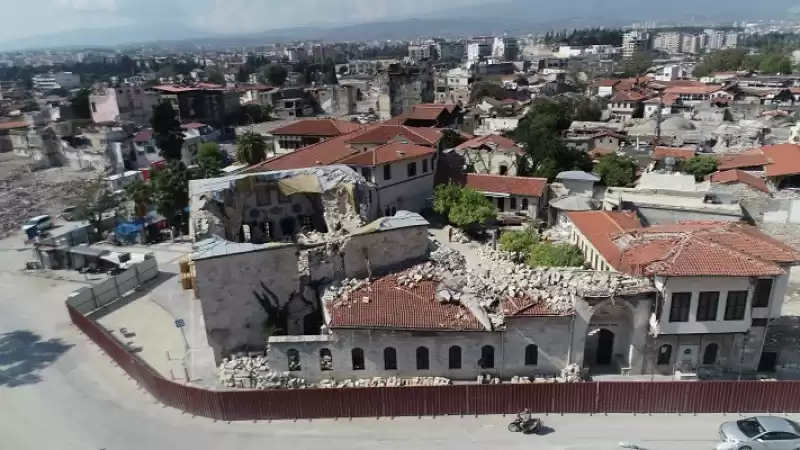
x=527 y=426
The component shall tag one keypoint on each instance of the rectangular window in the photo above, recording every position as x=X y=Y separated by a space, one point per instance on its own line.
x=762 y=292
x=412 y=169
x=387 y=172
x=735 y=306
x=424 y=166
x=679 y=309
x=707 y=306
x=513 y=203
x=94 y=107
x=366 y=172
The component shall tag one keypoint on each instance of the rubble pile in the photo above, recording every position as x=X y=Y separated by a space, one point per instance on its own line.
x=26 y=194
x=342 y=290
x=254 y=373
x=315 y=237
x=456 y=235
x=385 y=382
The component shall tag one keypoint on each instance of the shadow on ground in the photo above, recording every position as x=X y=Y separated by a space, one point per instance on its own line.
x=23 y=354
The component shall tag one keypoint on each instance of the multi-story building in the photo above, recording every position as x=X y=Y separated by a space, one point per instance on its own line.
x=634 y=42
x=321 y=53
x=478 y=50
x=409 y=86
x=732 y=40
x=715 y=39
x=201 y=102
x=56 y=80
x=454 y=51
x=421 y=52
x=669 y=42
x=505 y=48
x=123 y=103
x=691 y=43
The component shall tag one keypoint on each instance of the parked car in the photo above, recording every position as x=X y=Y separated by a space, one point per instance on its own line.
x=760 y=433
x=41 y=222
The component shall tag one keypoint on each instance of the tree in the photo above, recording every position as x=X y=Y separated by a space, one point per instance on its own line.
x=142 y=195
x=481 y=89
x=167 y=132
x=80 y=104
x=209 y=160
x=547 y=254
x=451 y=139
x=775 y=63
x=638 y=64
x=251 y=148
x=700 y=166
x=96 y=201
x=276 y=74
x=215 y=76
x=616 y=170
x=463 y=207
x=171 y=191
x=519 y=241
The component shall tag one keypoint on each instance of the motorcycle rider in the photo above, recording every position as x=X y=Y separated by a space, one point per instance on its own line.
x=524 y=416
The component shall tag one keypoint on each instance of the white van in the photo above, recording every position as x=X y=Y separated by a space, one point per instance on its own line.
x=41 y=222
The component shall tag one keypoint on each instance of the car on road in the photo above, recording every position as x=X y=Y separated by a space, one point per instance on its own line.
x=760 y=433
x=41 y=222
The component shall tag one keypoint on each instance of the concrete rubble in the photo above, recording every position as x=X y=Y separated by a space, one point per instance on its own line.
x=456 y=235
x=250 y=372
x=385 y=382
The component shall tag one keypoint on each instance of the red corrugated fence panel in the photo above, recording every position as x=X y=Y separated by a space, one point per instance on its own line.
x=787 y=397
x=360 y=402
x=712 y=396
x=447 y=400
x=574 y=398
x=618 y=397
x=662 y=397
x=752 y=396
x=404 y=401
x=488 y=399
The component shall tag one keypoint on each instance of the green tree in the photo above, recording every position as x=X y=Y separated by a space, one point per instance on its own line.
x=616 y=170
x=547 y=254
x=638 y=64
x=215 y=76
x=171 y=191
x=481 y=89
x=142 y=195
x=775 y=63
x=80 y=104
x=167 y=132
x=463 y=207
x=276 y=74
x=209 y=160
x=251 y=148
x=700 y=166
x=519 y=241
x=451 y=139
x=96 y=202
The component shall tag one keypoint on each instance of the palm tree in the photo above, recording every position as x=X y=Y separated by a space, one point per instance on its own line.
x=142 y=195
x=251 y=148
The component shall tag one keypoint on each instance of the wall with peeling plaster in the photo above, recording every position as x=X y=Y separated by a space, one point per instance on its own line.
x=387 y=250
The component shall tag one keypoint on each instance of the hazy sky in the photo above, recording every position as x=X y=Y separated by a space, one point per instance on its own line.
x=36 y=17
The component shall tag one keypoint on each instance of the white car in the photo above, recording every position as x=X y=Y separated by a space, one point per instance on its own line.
x=41 y=222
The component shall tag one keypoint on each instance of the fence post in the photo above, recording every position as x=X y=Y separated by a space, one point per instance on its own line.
x=138 y=278
x=94 y=298
x=116 y=286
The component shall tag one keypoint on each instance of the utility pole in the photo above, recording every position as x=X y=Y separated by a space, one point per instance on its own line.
x=657 y=138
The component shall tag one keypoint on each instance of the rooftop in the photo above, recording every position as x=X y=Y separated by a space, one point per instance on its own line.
x=493 y=141
x=502 y=184
x=738 y=176
x=388 y=153
x=317 y=127
x=679 y=153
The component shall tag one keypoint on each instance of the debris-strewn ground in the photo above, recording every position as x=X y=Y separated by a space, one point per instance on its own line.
x=25 y=193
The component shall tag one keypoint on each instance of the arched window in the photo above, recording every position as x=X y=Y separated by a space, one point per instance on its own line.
x=487 y=357
x=531 y=355
x=423 y=362
x=454 y=357
x=294 y=359
x=710 y=354
x=390 y=358
x=325 y=359
x=358 y=358
x=664 y=354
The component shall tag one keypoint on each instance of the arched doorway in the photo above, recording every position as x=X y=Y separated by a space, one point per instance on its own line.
x=288 y=226
x=605 y=347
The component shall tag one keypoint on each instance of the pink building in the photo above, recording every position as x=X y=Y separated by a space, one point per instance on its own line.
x=126 y=103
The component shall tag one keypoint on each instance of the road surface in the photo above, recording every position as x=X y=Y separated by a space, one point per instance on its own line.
x=58 y=391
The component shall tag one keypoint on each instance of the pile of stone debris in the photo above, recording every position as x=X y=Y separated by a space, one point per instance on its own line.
x=250 y=372
x=386 y=382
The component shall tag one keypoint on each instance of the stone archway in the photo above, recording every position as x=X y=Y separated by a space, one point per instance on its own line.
x=609 y=338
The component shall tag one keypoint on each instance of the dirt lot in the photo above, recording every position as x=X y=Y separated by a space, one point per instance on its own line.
x=25 y=193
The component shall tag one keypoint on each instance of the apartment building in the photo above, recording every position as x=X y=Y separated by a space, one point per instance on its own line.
x=634 y=42
x=123 y=103
x=56 y=80
x=421 y=52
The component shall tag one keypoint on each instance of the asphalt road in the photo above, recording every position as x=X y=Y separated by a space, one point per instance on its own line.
x=58 y=391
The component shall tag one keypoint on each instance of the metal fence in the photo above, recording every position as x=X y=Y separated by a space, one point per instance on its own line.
x=591 y=398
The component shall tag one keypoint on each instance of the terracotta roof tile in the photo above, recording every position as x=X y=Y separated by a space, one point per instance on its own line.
x=15 y=124
x=389 y=153
x=679 y=153
x=599 y=227
x=694 y=89
x=741 y=160
x=392 y=306
x=317 y=127
x=627 y=96
x=502 y=143
x=381 y=134
x=525 y=186
x=738 y=176
x=525 y=307
x=785 y=159
x=606 y=83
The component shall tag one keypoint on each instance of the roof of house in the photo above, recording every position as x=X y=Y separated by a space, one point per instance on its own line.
x=697 y=248
x=388 y=153
x=526 y=307
x=15 y=124
x=382 y=133
x=627 y=96
x=501 y=143
x=175 y=88
x=741 y=160
x=316 y=127
x=695 y=89
x=606 y=83
x=785 y=159
x=385 y=304
x=679 y=153
x=666 y=100
x=524 y=186
x=738 y=176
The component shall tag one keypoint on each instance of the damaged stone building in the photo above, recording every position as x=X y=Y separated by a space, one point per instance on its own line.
x=718 y=285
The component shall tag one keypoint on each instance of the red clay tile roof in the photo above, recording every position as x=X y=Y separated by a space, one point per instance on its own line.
x=741 y=160
x=174 y=88
x=389 y=153
x=684 y=249
x=525 y=307
x=627 y=96
x=391 y=306
x=502 y=143
x=785 y=159
x=524 y=186
x=695 y=89
x=193 y=125
x=679 y=153
x=381 y=134
x=316 y=127
x=15 y=124
x=738 y=176
x=606 y=83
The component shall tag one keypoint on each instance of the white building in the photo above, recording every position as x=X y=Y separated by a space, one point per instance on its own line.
x=669 y=42
x=691 y=43
x=505 y=48
x=56 y=80
x=421 y=52
x=123 y=103
x=478 y=50
x=634 y=42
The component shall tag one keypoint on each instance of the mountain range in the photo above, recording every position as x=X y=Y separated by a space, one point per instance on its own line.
x=514 y=16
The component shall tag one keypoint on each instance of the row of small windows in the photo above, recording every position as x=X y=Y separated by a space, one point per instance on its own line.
x=709 y=354
x=454 y=358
